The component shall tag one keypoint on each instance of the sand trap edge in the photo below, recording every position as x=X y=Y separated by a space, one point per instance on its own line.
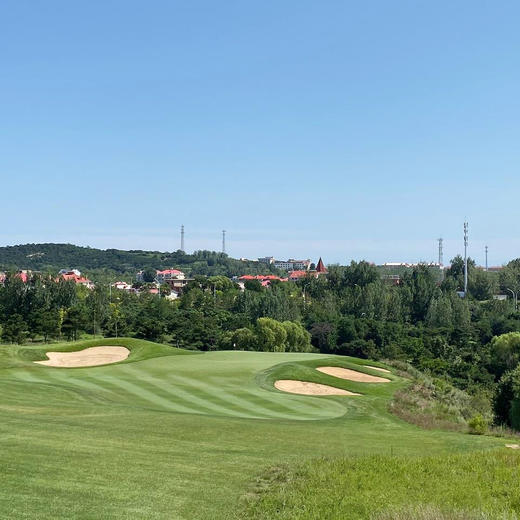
x=293 y=386
x=88 y=357
x=377 y=368
x=352 y=375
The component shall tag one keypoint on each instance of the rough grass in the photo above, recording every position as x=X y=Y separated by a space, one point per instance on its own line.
x=435 y=404
x=476 y=486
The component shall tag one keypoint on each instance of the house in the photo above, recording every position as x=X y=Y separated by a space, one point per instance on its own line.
x=123 y=286
x=168 y=275
x=75 y=276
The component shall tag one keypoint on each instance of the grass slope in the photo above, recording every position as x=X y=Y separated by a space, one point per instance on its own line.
x=475 y=486
x=167 y=434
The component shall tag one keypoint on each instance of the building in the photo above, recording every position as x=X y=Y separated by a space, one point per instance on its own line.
x=320 y=268
x=292 y=264
x=123 y=286
x=75 y=276
x=168 y=275
x=267 y=260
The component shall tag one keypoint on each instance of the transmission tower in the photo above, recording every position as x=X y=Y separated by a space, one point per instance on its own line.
x=486 y=258
x=441 y=255
x=223 y=240
x=465 y=258
x=182 y=238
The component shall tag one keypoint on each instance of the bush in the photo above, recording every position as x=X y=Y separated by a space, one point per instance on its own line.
x=478 y=425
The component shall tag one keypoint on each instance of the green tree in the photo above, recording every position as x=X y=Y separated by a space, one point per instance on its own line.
x=298 y=339
x=244 y=339
x=505 y=353
x=271 y=335
x=15 y=330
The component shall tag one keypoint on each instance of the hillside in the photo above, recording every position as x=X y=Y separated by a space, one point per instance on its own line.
x=52 y=257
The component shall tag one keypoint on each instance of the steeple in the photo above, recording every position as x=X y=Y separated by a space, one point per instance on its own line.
x=320 y=268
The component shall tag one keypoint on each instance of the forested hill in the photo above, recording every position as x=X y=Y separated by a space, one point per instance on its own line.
x=52 y=257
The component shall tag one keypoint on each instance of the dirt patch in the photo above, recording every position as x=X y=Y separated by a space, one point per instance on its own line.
x=352 y=375
x=89 y=357
x=306 y=388
x=378 y=368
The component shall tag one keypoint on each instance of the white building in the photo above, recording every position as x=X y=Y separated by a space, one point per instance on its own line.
x=293 y=265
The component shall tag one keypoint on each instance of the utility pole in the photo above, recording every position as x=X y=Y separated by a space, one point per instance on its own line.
x=441 y=255
x=223 y=240
x=465 y=259
x=486 y=258
x=182 y=238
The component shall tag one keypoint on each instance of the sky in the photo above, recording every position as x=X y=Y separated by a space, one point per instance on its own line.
x=341 y=129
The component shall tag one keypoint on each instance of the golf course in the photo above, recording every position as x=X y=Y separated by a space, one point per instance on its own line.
x=164 y=433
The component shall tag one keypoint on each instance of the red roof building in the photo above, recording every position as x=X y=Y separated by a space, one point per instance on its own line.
x=320 y=268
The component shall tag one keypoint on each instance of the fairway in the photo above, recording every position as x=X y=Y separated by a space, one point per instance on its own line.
x=173 y=434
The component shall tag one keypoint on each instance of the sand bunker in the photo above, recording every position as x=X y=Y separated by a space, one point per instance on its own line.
x=513 y=446
x=352 y=375
x=378 y=368
x=306 y=388
x=89 y=357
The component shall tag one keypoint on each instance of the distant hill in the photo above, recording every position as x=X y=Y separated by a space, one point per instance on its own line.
x=52 y=257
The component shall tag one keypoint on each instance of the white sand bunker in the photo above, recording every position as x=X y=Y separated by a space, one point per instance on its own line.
x=306 y=388
x=89 y=357
x=352 y=375
x=378 y=368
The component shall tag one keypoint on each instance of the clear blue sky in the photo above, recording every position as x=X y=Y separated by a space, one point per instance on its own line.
x=335 y=128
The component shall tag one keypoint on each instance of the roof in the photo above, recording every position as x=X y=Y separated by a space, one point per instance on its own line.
x=320 y=268
x=293 y=275
x=170 y=271
x=71 y=276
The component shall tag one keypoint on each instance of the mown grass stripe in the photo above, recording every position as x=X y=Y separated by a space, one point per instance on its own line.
x=227 y=396
x=200 y=403
x=144 y=394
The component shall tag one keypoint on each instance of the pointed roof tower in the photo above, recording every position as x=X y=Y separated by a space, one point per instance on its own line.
x=320 y=268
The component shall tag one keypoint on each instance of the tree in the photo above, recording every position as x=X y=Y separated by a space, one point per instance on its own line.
x=507 y=399
x=149 y=275
x=324 y=336
x=15 y=330
x=244 y=339
x=505 y=353
x=298 y=339
x=46 y=323
x=271 y=335
x=440 y=312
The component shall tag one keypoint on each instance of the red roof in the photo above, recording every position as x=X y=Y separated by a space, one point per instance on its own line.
x=23 y=276
x=320 y=268
x=74 y=278
x=296 y=275
x=170 y=271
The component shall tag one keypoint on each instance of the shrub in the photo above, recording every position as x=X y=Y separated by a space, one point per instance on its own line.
x=477 y=425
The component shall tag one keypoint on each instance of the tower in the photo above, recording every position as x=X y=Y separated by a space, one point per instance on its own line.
x=182 y=238
x=441 y=255
x=223 y=240
x=465 y=258
x=486 y=258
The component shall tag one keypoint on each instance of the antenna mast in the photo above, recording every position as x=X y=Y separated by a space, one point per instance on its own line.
x=223 y=240
x=182 y=238
x=486 y=258
x=465 y=259
x=441 y=255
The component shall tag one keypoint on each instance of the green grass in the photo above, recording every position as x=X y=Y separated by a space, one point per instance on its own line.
x=482 y=485
x=169 y=434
